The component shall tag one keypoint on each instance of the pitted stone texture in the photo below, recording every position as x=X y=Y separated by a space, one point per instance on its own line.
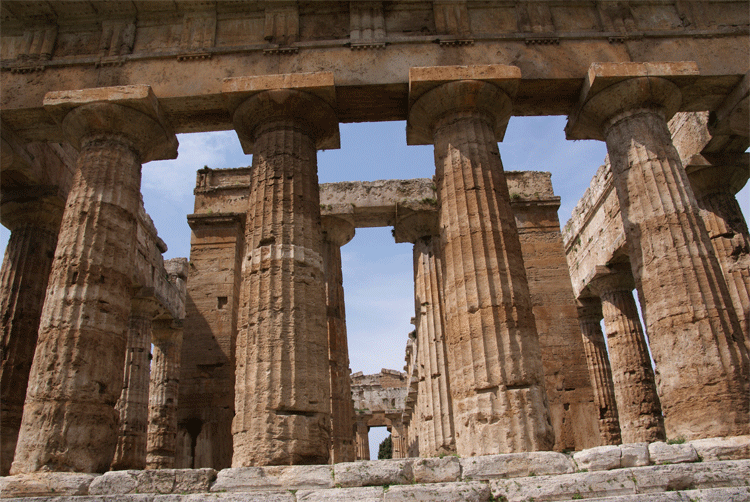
x=42 y=484
x=374 y=472
x=436 y=470
x=295 y=477
x=514 y=465
x=366 y=494
x=600 y=458
x=689 y=476
x=634 y=455
x=565 y=487
x=153 y=481
x=663 y=453
x=465 y=492
x=732 y=448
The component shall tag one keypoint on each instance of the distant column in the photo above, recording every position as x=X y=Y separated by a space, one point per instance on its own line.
x=589 y=317
x=69 y=421
x=23 y=281
x=694 y=332
x=363 y=441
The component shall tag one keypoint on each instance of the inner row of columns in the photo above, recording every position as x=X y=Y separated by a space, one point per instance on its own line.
x=496 y=380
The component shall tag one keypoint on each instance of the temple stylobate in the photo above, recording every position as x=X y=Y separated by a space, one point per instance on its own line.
x=249 y=360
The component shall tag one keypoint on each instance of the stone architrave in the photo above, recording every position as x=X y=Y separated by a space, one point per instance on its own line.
x=589 y=317
x=336 y=233
x=496 y=375
x=34 y=225
x=694 y=332
x=638 y=404
x=130 y=452
x=282 y=389
x=163 y=393
x=69 y=421
x=439 y=438
x=715 y=185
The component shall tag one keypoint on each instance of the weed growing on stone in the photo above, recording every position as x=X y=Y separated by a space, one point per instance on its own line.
x=677 y=440
x=577 y=496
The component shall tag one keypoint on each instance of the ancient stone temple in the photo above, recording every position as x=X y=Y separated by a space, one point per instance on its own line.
x=237 y=360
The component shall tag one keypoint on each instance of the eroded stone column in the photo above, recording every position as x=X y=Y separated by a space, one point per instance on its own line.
x=694 y=333
x=163 y=392
x=363 y=441
x=132 y=406
x=497 y=380
x=638 y=403
x=23 y=281
x=715 y=186
x=589 y=317
x=282 y=390
x=69 y=421
x=336 y=233
x=432 y=354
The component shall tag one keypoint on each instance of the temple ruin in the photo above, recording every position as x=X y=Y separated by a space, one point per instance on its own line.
x=236 y=360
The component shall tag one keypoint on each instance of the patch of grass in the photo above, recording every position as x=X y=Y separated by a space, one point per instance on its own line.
x=677 y=440
x=577 y=496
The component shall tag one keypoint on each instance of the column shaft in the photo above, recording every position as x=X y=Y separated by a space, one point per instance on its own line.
x=363 y=442
x=589 y=317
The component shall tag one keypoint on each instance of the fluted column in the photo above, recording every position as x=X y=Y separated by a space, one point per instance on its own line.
x=715 y=186
x=282 y=390
x=496 y=375
x=440 y=437
x=163 y=391
x=69 y=421
x=638 y=403
x=363 y=441
x=23 y=281
x=694 y=332
x=589 y=317
x=132 y=406
x=336 y=233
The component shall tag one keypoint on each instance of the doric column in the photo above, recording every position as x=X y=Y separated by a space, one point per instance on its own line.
x=163 y=391
x=589 y=317
x=398 y=440
x=695 y=336
x=282 y=390
x=130 y=452
x=496 y=375
x=638 y=403
x=336 y=233
x=438 y=436
x=34 y=225
x=69 y=421
x=363 y=441
x=715 y=185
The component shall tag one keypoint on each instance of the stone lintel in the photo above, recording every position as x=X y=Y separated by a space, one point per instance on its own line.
x=156 y=143
x=592 y=111
x=732 y=117
x=197 y=221
x=603 y=278
x=589 y=307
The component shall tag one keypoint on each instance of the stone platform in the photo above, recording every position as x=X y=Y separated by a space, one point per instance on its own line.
x=709 y=470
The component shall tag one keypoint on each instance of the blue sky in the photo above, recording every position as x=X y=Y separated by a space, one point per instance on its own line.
x=378 y=277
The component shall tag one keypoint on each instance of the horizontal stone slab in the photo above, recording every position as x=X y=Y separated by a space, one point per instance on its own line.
x=153 y=481
x=436 y=470
x=45 y=483
x=514 y=465
x=731 y=448
x=374 y=472
x=360 y=494
x=663 y=453
x=292 y=477
x=466 y=492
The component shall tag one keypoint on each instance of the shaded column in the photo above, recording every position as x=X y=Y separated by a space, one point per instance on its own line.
x=638 y=403
x=589 y=317
x=363 y=441
x=715 y=186
x=694 y=333
x=282 y=389
x=496 y=375
x=398 y=440
x=69 y=421
x=34 y=225
x=336 y=233
x=439 y=433
x=132 y=406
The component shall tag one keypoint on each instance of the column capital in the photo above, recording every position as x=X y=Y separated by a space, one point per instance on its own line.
x=589 y=308
x=613 y=89
x=415 y=221
x=337 y=230
x=725 y=173
x=439 y=90
x=605 y=280
x=41 y=206
x=732 y=115
x=308 y=98
x=131 y=111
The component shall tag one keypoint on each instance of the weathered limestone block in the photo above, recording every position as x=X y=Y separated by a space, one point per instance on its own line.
x=163 y=394
x=589 y=317
x=685 y=476
x=600 y=458
x=514 y=465
x=374 y=472
x=634 y=455
x=23 y=281
x=153 y=481
x=468 y=492
x=366 y=494
x=664 y=453
x=638 y=404
x=41 y=484
x=69 y=418
x=282 y=390
x=336 y=233
x=732 y=448
x=496 y=376
x=694 y=333
x=436 y=470
x=295 y=477
x=566 y=487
